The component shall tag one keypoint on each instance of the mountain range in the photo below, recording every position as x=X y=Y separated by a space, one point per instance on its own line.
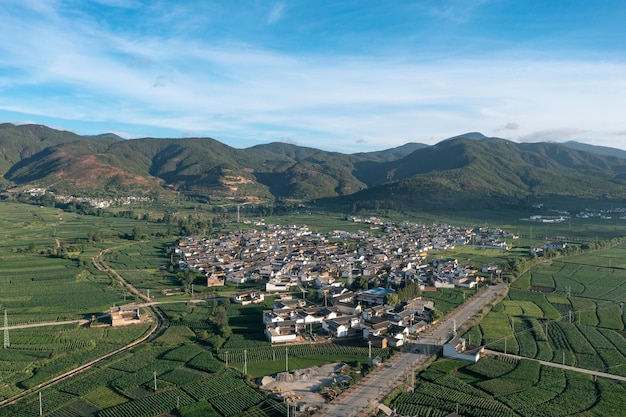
x=469 y=170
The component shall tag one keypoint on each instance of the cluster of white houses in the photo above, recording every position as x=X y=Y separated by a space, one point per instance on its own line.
x=349 y=314
x=363 y=315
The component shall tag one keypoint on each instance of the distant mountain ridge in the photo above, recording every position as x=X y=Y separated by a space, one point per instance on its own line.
x=468 y=170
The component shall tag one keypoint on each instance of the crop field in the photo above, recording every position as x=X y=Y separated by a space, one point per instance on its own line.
x=188 y=376
x=570 y=311
x=497 y=387
x=37 y=289
x=41 y=284
x=38 y=354
x=151 y=380
x=37 y=286
x=262 y=359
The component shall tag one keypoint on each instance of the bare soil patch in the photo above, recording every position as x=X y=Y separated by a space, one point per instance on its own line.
x=302 y=386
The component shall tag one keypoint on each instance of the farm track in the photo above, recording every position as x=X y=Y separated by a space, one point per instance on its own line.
x=160 y=324
x=561 y=366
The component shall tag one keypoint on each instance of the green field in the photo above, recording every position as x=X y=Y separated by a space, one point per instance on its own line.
x=187 y=373
x=567 y=310
x=38 y=354
x=508 y=387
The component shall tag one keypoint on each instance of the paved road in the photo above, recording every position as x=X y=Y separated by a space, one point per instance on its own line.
x=363 y=398
x=48 y=323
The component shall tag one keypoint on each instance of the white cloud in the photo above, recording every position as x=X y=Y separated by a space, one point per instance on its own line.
x=553 y=135
x=330 y=101
x=507 y=126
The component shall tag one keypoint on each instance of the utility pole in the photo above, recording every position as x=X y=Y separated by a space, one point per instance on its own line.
x=40 y=405
x=505 y=345
x=226 y=359
x=286 y=359
x=245 y=362
x=369 y=345
x=350 y=274
x=155 y=384
x=7 y=343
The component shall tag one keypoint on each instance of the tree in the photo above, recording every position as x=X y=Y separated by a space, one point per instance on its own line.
x=409 y=292
x=186 y=278
x=220 y=319
x=360 y=284
x=436 y=315
x=137 y=234
x=392 y=299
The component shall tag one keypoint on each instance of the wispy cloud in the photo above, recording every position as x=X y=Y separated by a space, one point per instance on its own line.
x=124 y=4
x=456 y=10
x=276 y=13
x=552 y=135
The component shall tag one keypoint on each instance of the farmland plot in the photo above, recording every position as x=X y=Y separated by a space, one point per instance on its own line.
x=578 y=324
x=500 y=388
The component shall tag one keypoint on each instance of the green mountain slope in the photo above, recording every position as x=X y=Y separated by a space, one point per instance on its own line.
x=464 y=171
x=600 y=150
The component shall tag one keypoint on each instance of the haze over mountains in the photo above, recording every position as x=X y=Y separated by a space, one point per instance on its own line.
x=469 y=170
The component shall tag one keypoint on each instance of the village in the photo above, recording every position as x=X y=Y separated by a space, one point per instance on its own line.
x=362 y=280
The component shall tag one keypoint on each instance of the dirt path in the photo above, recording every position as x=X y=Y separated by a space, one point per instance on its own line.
x=159 y=320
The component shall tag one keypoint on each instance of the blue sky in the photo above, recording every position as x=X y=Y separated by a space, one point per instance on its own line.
x=348 y=76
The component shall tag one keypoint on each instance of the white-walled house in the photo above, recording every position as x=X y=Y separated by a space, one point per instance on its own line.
x=282 y=331
x=335 y=328
x=457 y=348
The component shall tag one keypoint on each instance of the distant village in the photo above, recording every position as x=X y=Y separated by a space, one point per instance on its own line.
x=357 y=273
x=95 y=202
